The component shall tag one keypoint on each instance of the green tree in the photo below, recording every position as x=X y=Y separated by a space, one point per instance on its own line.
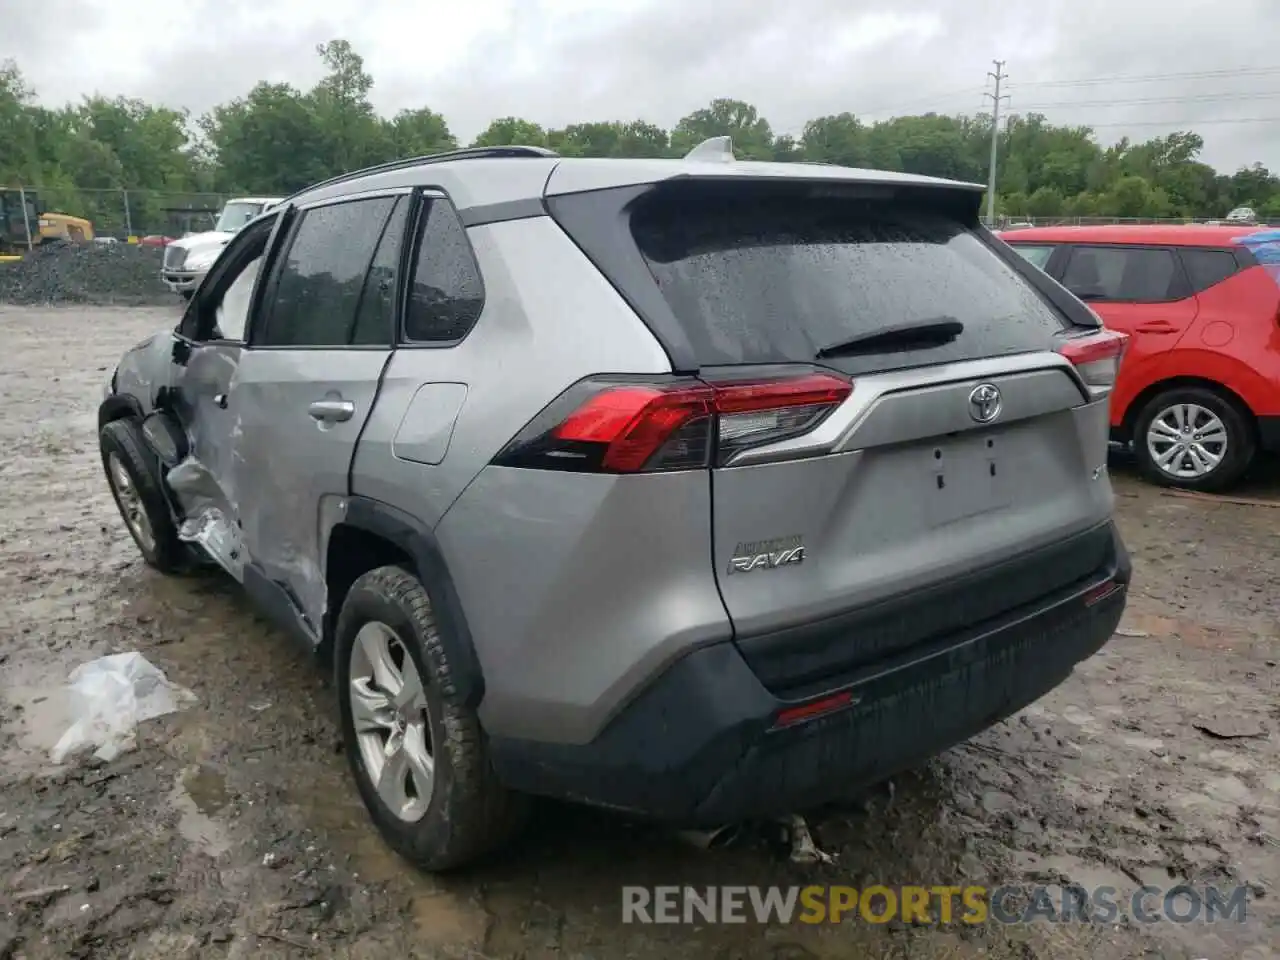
x=641 y=139
x=150 y=147
x=1250 y=187
x=512 y=131
x=1133 y=196
x=1271 y=209
x=351 y=134
x=587 y=140
x=787 y=150
x=417 y=133
x=838 y=139
x=270 y=141
x=19 y=153
x=752 y=136
x=1045 y=202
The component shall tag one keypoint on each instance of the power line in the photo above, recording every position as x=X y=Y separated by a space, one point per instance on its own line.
x=1153 y=77
x=1227 y=97
x=1195 y=122
x=1193 y=98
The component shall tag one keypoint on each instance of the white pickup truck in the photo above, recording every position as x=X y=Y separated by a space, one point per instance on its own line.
x=186 y=261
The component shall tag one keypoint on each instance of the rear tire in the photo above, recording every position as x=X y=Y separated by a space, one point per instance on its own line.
x=133 y=476
x=1193 y=438
x=421 y=763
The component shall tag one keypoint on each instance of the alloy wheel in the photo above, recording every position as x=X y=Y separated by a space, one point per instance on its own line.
x=1187 y=441
x=389 y=715
x=131 y=507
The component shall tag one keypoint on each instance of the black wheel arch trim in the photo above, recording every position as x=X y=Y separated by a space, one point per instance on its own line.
x=418 y=541
x=1269 y=434
x=118 y=406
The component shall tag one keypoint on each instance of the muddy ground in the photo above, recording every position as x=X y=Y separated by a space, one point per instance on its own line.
x=233 y=831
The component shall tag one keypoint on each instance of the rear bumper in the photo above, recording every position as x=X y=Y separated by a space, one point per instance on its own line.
x=699 y=746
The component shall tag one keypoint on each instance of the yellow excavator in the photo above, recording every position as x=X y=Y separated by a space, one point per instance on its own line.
x=18 y=233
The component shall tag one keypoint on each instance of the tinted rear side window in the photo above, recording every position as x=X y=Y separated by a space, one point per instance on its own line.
x=774 y=279
x=1124 y=274
x=1207 y=267
x=446 y=293
x=1035 y=255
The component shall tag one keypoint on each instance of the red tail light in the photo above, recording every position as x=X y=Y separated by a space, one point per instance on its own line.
x=615 y=427
x=1096 y=356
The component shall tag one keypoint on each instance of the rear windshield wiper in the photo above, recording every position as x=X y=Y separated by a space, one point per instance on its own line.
x=933 y=332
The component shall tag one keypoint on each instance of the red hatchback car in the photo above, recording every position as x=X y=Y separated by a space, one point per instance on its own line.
x=1198 y=393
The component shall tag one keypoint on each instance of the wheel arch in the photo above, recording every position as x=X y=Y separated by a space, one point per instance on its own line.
x=373 y=534
x=117 y=407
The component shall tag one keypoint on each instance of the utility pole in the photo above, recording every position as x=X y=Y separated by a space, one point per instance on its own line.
x=996 y=97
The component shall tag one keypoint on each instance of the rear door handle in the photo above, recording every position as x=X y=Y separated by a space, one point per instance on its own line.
x=1156 y=326
x=332 y=411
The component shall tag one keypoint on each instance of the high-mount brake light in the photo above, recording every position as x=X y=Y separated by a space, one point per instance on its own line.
x=611 y=427
x=1096 y=356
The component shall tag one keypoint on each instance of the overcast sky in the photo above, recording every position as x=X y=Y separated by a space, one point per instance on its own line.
x=1204 y=62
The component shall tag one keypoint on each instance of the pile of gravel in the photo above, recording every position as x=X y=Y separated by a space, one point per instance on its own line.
x=98 y=274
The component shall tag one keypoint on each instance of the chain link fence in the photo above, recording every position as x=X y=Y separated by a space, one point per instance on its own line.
x=121 y=213
x=139 y=213
x=1008 y=222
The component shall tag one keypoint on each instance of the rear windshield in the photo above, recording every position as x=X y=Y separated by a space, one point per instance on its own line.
x=774 y=279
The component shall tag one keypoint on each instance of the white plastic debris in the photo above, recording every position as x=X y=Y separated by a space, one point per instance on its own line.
x=803 y=847
x=109 y=697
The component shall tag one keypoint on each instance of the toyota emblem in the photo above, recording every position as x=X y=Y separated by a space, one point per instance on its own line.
x=985 y=402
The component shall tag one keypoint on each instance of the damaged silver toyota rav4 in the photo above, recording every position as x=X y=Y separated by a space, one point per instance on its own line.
x=699 y=489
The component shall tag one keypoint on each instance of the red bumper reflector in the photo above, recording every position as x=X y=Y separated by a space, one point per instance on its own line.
x=1101 y=592
x=814 y=708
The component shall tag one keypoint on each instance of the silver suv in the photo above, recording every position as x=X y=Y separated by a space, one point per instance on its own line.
x=698 y=489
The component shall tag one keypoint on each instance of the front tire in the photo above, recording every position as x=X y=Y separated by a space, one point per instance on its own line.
x=135 y=484
x=419 y=759
x=1193 y=438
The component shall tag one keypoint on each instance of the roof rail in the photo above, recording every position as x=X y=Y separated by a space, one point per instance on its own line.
x=466 y=153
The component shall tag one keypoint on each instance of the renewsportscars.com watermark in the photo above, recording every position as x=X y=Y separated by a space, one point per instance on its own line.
x=972 y=905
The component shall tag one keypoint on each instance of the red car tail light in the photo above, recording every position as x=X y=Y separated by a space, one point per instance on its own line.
x=612 y=427
x=1096 y=356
